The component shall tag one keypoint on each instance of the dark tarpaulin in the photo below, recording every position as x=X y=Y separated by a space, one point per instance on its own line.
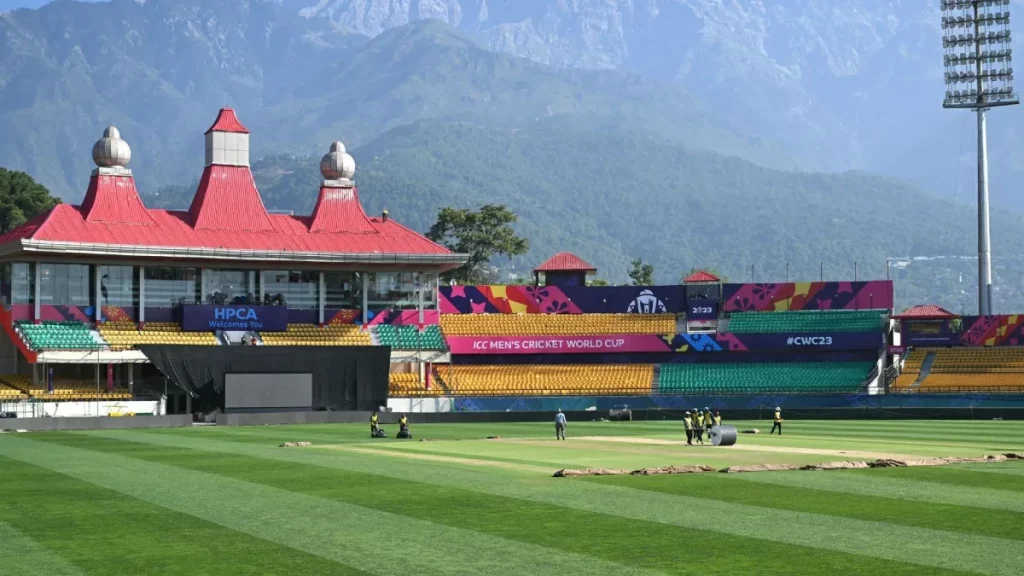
x=344 y=377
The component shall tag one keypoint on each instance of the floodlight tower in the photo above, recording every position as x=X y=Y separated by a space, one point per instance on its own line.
x=979 y=76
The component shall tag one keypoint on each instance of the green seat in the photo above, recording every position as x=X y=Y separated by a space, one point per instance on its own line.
x=805 y=321
x=764 y=378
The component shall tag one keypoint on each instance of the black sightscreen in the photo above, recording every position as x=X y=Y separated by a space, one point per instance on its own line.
x=344 y=377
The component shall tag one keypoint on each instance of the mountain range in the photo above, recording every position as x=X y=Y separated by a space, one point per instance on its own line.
x=656 y=125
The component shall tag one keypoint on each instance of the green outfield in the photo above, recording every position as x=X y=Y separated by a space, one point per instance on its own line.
x=229 y=501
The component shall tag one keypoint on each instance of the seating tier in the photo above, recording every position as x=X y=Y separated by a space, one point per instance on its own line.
x=805 y=321
x=126 y=335
x=994 y=369
x=764 y=378
x=59 y=335
x=556 y=324
x=408 y=385
x=410 y=337
x=65 y=389
x=312 y=335
x=547 y=380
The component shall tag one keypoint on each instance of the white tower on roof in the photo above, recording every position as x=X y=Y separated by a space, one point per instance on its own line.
x=338 y=167
x=112 y=154
x=227 y=141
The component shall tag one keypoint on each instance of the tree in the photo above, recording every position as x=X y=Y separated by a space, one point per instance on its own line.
x=641 y=274
x=599 y=282
x=21 y=198
x=482 y=234
x=714 y=271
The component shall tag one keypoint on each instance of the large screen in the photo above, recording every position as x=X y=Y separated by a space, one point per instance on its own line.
x=246 y=391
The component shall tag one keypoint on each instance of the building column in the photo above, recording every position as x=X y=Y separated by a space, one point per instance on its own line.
x=323 y=297
x=419 y=295
x=142 y=295
x=98 y=305
x=202 y=285
x=35 y=276
x=366 y=307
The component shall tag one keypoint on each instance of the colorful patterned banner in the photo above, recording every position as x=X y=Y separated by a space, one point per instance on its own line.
x=674 y=343
x=500 y=299
x=1002 y=330
x=807 y=296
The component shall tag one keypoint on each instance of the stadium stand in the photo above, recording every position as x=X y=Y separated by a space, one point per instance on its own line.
x=764 y=378
x=408 y=385
x=805 y=321
x=64 y=389
x=125 y=335
x=9 y=393
x=312 y=335
x=547 y=380
x=59 y=335
x=556 y=324
x=409 y=337
x=965 y=369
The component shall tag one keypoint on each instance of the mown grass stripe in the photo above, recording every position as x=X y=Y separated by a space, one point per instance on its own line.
x=1013 y=469
x=107 y=533
x=22 y=555
x=952 y=476
x=890 y=510
x=902 y=488
x=377 y=542
x=940 y=549
x=576 y=531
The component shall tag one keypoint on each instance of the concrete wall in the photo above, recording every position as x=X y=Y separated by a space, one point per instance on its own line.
x=273 y=418
x=96 y=423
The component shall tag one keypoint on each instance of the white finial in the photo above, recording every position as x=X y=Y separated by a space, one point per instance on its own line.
x=111 y=151
x=337 y=165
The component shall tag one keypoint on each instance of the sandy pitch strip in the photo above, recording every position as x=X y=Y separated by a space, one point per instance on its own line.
x=755 y=448
x=445 y=459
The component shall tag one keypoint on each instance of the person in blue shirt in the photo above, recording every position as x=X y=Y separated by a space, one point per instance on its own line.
x=559 y=426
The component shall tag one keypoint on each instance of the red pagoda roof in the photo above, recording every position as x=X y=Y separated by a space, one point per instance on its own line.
x=227 y=199
x=227 y=122
x=339 y=210
x=925 y=312
x=565 y=262
x=702 y=276
x=173 y=229
x=113 y=199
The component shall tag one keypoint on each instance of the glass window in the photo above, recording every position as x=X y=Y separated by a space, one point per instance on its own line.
x=344 y=290
x=230 y=287
x=168 y=286
x=23 y=285
x=393 y=290
x=428 y=283
x=5 y=283
x=296 y=289
x=64 y=284
x=119 y=286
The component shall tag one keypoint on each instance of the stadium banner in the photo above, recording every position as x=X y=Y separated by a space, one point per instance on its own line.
x=768 y=297
x=998 y=330
x=556 y=344
x=209 y=317
x=501 y=299
x=672 y=343
x=701 y=309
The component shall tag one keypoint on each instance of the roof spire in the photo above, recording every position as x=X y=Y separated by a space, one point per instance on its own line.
x=112 y=154
x=337 y=167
